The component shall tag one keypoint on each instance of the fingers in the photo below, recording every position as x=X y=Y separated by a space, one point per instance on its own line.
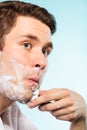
x=49 y=95
x=51 y=106
x=63 y=104
x=67 y=117
x=62 y=109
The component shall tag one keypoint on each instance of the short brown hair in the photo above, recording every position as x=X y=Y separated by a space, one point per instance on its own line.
x=10 y=10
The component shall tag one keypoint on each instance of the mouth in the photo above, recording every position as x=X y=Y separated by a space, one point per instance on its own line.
x=33 y=82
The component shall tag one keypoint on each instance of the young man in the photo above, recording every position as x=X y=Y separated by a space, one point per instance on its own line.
x=25 y=36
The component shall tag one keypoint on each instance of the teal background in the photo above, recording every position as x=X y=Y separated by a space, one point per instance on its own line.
x=68 y=61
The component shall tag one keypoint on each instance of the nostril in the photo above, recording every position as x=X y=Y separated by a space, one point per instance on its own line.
x=40 y=67
x=37 y=65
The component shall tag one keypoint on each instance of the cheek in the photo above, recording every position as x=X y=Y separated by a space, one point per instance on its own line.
x=17 y=56
x=15 y=53
x=20 y=58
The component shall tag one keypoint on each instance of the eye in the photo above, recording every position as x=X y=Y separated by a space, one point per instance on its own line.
x=27 y=45
x=46 y=52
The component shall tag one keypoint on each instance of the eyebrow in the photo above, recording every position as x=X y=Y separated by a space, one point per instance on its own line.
x=32 y=37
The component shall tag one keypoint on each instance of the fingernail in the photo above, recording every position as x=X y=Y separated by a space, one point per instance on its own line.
x=30 y=105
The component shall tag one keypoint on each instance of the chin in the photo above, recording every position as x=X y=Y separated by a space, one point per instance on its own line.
x=24 y=100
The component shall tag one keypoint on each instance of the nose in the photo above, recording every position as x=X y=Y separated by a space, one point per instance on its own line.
x=39 y=60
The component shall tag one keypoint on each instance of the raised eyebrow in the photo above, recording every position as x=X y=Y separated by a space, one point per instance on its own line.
x=49 y=44
x=32 y=37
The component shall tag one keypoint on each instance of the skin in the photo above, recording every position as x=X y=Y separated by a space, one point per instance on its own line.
x=66 y=105
x=29 y=43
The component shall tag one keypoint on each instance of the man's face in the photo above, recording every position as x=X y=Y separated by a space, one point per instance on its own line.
x=29 y=43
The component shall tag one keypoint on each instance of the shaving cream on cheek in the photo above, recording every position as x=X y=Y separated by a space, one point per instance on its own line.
x=11 y=83
x=14 y=90
x=12 y=77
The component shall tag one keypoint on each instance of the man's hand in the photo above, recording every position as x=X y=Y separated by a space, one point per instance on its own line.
x=63 y=104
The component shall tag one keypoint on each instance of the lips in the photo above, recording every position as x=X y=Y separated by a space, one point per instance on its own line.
x=33 y=81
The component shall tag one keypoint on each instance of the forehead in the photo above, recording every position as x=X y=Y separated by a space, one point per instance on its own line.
x=25 y=25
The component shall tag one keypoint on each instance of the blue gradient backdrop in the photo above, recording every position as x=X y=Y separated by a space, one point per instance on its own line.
x=68 y=61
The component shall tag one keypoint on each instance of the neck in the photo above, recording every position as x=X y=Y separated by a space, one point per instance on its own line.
x=5 y=102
